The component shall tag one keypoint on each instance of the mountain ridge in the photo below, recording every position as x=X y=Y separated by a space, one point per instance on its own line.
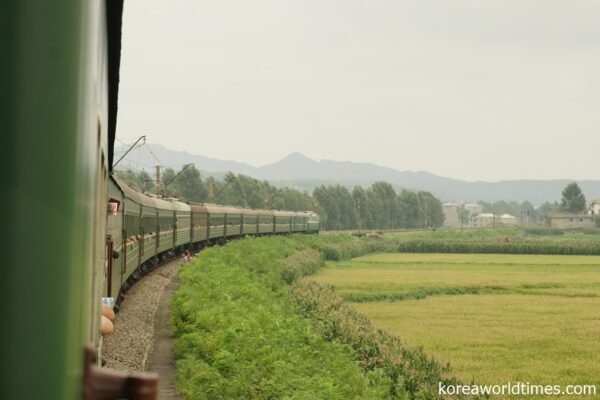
x=305 y=173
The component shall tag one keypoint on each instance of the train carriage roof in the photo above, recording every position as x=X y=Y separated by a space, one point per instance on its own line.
x=248 y=211
x=181 y=207
x=221 y=209
x=134 y=194
x=218 y=209
x=279 y=213
x=264 y=212
x=164 y=204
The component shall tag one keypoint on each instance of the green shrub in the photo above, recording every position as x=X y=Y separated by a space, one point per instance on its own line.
x=240 y=335
x=412 y=373
x=301 y=263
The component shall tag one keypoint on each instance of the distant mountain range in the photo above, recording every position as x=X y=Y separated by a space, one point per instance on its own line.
x=301 y=172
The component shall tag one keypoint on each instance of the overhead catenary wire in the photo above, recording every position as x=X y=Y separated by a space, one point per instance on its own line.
x=143 y=137
x=153 y=155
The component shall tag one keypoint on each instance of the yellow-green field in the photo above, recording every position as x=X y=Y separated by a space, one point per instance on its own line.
x=495 y=318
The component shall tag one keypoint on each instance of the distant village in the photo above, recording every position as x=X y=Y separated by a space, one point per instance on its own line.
x=473 y=216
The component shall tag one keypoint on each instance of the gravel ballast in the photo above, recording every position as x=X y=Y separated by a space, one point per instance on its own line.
x=129 y=347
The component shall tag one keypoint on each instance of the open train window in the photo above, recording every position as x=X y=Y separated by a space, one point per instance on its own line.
x=113 y=206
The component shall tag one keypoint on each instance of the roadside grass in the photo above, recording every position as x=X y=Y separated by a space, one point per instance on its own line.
x=494 y=318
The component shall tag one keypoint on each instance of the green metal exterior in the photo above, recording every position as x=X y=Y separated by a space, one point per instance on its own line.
x=47 y=253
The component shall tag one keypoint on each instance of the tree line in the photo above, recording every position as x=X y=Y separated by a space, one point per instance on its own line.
x=378 y=207
x=375 y=207
x=572 y=201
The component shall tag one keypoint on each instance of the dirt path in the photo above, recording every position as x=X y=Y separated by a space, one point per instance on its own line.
x=161 y=357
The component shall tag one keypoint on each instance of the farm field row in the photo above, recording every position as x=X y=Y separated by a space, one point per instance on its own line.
x=494 y=318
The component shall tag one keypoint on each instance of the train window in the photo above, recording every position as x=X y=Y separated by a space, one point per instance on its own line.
x=113 y=206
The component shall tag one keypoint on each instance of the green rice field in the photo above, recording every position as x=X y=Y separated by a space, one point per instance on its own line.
x=494 y=318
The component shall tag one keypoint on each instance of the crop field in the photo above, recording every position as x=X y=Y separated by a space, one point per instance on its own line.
x=494 y=318
x=500 y=241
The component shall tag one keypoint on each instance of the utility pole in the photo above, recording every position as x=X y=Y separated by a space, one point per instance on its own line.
x=157 y=178
x=211 y=190
x=462 y=215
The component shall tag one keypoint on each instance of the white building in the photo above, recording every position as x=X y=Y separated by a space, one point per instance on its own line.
x=595 y=207
x=481 y=220
x=451 y=214
x=508 y=219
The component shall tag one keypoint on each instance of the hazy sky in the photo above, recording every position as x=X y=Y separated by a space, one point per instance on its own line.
x=476 y=90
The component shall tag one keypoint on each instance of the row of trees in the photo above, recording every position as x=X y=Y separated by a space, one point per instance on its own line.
x=376 y=207
x=572 y=201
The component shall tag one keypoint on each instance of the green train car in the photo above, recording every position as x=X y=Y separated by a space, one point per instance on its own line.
x=66 y=218
x=144 y=230
x=58 y=82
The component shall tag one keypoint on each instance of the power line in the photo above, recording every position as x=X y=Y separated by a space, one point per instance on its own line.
x=153 y=155
x=143 y=137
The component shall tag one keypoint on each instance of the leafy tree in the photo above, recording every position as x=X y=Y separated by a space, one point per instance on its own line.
x=339 y=207
x=408 y=204
x=545 y=209
x=361 y=203
x=186 y=184
x=385 y=197
x=431 y=213
x=573 y=200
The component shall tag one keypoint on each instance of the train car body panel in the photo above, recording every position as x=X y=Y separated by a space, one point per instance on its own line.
x=233 y=221
x=249 y=221
x=266 y=221
x=216 y=220
x=199 y=219
x=283 y=221
x=183 y=214
x=165 y=225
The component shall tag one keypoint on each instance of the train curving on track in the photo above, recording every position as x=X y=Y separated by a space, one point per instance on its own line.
x=59 y=81
x=143 y=230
